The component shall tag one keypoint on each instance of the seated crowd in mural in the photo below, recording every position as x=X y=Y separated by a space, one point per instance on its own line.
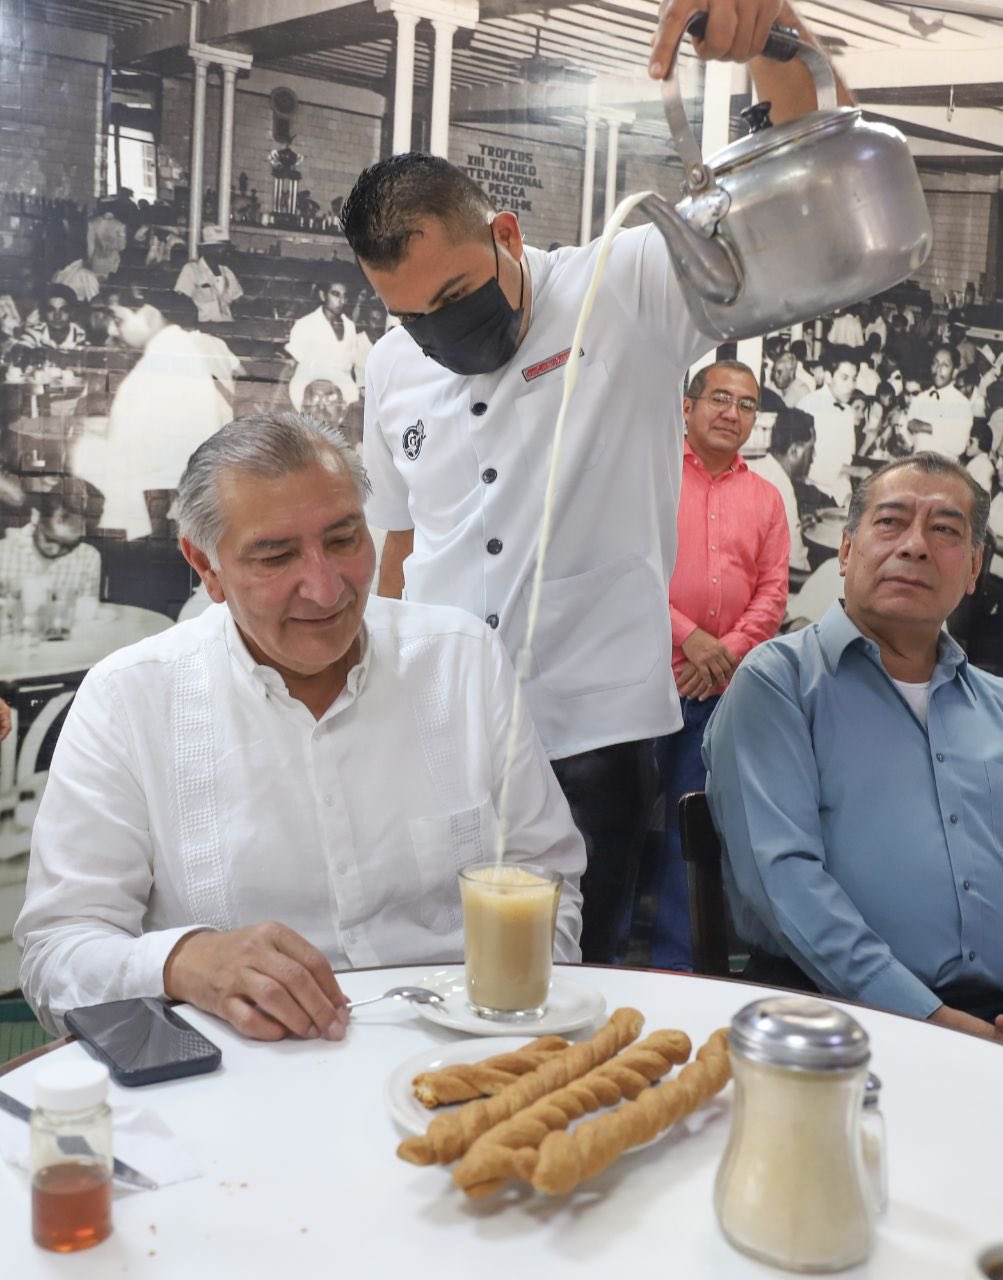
x=879 y=382
x=116 y=367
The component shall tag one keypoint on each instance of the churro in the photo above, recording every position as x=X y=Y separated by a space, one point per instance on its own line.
x=449 y=1136
x=509 y=1150
x=465 y=1080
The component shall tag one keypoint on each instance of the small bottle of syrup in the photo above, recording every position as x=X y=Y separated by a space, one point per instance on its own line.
x=71 y=1156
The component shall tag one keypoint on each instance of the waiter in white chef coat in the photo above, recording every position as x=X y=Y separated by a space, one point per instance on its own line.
x=461 y=403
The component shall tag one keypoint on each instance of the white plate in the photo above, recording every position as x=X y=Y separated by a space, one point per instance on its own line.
x=399 y=1089
x=570 y=1005
x=405 y=1108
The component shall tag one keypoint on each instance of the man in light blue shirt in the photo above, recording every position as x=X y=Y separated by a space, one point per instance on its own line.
x=856 y=771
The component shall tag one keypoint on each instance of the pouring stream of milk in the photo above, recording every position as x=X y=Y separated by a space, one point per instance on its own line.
x=524 y=659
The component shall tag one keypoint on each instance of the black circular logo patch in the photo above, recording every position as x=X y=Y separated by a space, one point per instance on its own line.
x=412 y=440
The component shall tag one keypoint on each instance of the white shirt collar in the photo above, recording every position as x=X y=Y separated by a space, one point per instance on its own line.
x=268 y=681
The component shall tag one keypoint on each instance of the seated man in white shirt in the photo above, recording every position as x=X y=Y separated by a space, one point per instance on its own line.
x=279 y=787
x=944 y=407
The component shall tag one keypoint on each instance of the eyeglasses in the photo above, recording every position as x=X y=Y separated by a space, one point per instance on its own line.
x=725 y=400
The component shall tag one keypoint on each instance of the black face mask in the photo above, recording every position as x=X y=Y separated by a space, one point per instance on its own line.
x=478 y=334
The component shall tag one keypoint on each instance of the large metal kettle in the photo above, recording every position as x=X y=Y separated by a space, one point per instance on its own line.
x=795 y=219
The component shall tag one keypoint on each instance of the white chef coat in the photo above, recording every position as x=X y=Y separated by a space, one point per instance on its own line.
x=321 y=354
x=949 y=413
x=835 y=443
x=166 y=406
x=472 y=475
x=188 y=788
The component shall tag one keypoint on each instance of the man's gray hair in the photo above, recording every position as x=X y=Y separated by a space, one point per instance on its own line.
x=934 y=464
x=268 y=445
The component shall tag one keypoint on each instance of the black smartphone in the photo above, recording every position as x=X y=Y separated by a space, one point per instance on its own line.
x=142 y=1041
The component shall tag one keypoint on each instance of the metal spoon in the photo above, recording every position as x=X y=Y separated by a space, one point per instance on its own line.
x=417 y=995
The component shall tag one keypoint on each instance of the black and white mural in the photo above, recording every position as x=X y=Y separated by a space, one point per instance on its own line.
x=170 y=256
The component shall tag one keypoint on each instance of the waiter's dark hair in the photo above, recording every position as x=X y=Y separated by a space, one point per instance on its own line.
x=934 y=464
x=390 y=199
x=699 y=379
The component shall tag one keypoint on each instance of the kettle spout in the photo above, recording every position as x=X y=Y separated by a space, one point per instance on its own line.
x=707 y=263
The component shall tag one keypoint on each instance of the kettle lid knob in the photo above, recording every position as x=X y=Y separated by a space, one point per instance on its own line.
x=757 y=117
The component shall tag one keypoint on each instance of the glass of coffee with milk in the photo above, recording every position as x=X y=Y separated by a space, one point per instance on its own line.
x=509 y=916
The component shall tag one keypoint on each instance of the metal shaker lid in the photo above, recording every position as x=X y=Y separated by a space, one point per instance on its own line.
x=799 y=1033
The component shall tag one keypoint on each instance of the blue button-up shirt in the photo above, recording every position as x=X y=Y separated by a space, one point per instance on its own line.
x=865 y=845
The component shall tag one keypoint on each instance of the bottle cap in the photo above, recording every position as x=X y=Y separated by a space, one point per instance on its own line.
x=799 y=1033
x=71 y=1086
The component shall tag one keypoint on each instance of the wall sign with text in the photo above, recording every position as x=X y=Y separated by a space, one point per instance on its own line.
x=508 y=175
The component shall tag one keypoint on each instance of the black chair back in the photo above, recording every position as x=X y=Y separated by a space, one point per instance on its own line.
x=708 y=908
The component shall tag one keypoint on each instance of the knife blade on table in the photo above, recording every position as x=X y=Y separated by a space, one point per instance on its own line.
x=80 y=1147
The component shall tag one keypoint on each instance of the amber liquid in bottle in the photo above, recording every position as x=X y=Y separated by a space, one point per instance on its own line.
x=71 y=1206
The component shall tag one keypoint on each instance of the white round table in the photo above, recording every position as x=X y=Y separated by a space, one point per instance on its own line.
x=113 y=627
x=301 y=1177
x=827 y=532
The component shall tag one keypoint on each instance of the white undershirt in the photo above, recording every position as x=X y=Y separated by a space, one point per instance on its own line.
x=917 y=696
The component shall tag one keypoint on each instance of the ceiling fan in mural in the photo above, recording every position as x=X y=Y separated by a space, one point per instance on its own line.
x=538 y=68
x=972 y=8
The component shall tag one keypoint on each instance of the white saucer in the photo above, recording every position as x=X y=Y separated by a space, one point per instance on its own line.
x=570 y=1005
x=399 y=1089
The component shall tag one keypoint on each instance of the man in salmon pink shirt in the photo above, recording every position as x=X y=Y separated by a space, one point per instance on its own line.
x=728 y=593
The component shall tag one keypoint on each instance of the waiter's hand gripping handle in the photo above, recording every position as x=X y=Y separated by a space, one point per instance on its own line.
x=782 y=44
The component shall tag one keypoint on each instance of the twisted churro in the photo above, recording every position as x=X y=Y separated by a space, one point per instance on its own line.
x=449 y=1136
x=465 y=1080
x=509 y=1149
x=566 y=1159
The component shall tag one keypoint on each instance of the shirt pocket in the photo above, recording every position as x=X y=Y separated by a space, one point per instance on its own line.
x=584 y=441
x=602 y=629
x=443 y=844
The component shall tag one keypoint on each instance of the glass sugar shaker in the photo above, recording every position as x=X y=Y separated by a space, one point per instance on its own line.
x=875 y=1143
x=792 y=1188
x=71 y=1156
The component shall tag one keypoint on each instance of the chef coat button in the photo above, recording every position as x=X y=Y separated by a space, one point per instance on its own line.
x=713 y=579
x=492 y=620
x=954 y=819
x=479 y=408
x=713 y=517
x=494 y=546
x=967 y=884
x=489 y=475
x=940 y=756
x=971 y=955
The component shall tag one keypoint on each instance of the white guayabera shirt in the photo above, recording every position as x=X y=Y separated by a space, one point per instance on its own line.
x=188 y=788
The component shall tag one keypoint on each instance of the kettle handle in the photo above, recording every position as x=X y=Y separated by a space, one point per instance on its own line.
x=782 y=44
